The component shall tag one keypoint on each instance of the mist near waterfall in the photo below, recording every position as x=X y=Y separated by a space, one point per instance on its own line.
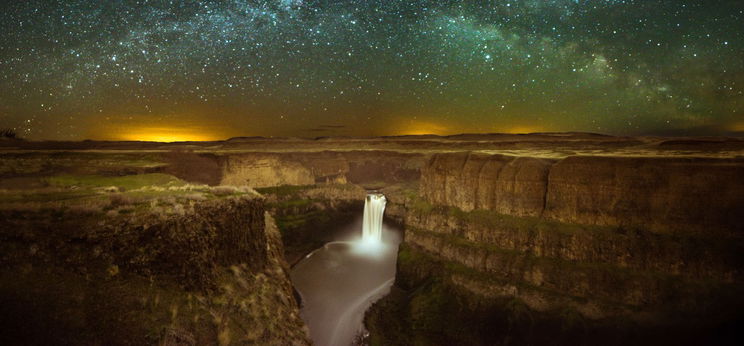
x=339 y=281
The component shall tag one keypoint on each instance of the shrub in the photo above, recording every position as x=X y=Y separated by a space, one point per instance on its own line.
x=224 y=190
x=8 y=133
x=120 y=200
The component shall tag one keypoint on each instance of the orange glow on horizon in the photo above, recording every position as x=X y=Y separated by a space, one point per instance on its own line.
x=166 y=134
x=738 y=127
x=521 y=129
x=416 y=128
x=189 y=127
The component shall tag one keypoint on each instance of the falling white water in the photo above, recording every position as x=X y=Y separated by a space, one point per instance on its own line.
x=374 y=208
x=341 y=280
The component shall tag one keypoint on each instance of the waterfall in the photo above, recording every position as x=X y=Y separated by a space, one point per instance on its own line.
x=374 y=207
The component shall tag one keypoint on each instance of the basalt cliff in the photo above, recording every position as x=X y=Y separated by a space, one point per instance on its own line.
x=187 y=265
x=578 y=250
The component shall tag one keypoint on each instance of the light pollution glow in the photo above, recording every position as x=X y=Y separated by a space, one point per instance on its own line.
x=161 y=133
x=194 y=132
x=416 y=127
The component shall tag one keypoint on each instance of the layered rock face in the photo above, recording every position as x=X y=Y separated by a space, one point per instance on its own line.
x=660 y=194
x=263 y=170
x=309 y=216
x=209 y=273
x=359 y=167
x=505 y=184
x=655 y=241
x=657 y=194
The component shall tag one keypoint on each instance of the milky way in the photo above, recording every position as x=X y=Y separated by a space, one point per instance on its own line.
x=92 y=69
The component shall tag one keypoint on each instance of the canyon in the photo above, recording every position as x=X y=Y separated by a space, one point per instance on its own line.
x=508 y=239
x=649 y=244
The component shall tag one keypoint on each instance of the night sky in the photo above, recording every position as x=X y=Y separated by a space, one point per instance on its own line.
x=171 y=70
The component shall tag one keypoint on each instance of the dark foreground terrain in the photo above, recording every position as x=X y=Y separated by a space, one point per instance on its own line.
x=578 y=239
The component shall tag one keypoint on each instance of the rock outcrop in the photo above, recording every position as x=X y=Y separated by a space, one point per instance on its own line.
x=310 y=216
x=629 y=246
x=292 y=168
x=659 y=194
x=264 y=170
x=211 y=272
x=508 y=185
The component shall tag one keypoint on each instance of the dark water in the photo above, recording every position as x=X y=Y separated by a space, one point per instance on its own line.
x=339 y=282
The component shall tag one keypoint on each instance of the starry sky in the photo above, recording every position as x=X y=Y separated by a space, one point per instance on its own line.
x=202 y=70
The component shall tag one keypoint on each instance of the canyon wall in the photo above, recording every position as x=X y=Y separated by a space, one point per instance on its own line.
x=594 y=228
x=602 y=240
x=264 y=170
x=656 y=194
x=660 y=194
x=207 y=272
x=307 y=168
x=505 y=184
x=310 y=216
